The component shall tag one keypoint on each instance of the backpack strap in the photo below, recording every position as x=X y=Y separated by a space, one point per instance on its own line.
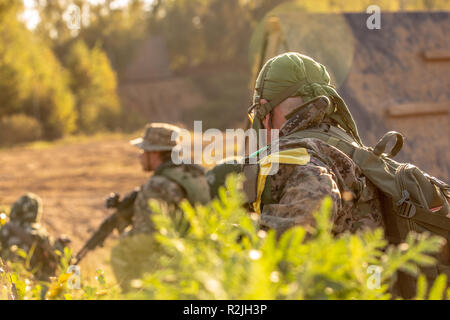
x=266 y=167
x=434 y=222
x=334 y=136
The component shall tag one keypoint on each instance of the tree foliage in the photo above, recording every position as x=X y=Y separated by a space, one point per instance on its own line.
x=217 y=30
x=200 y=34
x=94 y=84
x=35 y=83
x=32 y=80
x=205 y=32
x=116 y=30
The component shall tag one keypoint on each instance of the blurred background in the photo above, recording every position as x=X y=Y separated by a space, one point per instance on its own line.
x=129 y=61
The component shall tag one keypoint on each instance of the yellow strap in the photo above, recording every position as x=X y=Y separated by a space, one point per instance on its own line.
x=297 y=156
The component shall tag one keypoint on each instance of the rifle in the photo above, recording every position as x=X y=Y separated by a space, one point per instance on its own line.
x=124 y=213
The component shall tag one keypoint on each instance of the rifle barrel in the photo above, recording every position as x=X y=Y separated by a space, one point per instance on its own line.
x=124 y=211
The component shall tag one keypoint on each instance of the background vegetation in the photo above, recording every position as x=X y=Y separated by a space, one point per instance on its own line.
x=67 y=79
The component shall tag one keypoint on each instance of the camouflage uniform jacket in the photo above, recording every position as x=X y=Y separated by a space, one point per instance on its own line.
x=297 y=191
x=169 y=187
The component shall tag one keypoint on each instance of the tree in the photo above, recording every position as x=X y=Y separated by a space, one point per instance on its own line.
x=117 y=30
x=207 y=31
x=32 y=81
x=94 y=84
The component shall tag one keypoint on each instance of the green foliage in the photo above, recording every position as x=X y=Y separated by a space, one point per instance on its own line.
x=19 y=128
x=117 y=30
x=225 y=256
x=132 y=256
x=60 y=289
x=33 y=82
x=218 y=30
x=94 y=84
x=17 y=283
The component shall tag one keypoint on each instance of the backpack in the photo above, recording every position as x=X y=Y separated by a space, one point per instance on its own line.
x=189 y=177
x=412 y=200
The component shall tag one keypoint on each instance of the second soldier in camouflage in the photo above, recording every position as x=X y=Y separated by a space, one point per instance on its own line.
x=169 y=184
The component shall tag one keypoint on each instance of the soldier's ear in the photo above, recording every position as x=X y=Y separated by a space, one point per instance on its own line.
x=266 y=122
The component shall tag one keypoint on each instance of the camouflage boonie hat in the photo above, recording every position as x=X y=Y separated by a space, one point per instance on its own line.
x=28 y=208
x=157 y=137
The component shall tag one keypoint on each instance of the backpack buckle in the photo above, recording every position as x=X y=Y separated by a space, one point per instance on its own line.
x=379 y=149
x=406 y=208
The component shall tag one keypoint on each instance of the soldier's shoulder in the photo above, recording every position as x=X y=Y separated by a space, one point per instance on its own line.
x=190 y=169
x=324 y=159
x=189 y=178
x=295 y=141
x=157 y=182
x=184 y=175
x=159 y=186
x=325 y=154
x=288 y=175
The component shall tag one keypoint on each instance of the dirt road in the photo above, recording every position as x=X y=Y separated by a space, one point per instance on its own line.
x=73 y=180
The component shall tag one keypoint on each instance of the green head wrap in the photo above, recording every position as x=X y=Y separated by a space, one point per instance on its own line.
x=293 y=74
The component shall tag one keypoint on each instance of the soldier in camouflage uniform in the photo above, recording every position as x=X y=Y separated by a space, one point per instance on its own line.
x=296 y=191
x=169 y=184
x=23 y=231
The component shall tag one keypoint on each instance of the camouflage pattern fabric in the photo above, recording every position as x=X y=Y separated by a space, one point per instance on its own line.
x=169 y=185
x=158 y=137
x=27 y=209
x=133 y=255
x=161 y=187
x=158 y=188
x=298 y=190
x=191 y=177
x=42 y=260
